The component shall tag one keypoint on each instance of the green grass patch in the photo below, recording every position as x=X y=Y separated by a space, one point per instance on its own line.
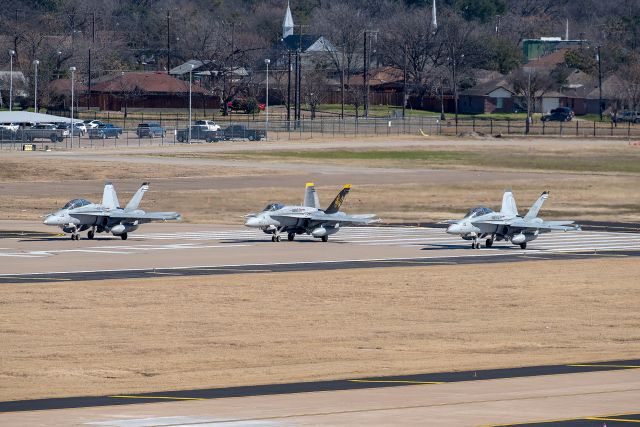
x=421 y=155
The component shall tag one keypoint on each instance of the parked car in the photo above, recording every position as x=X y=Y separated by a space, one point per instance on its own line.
x=9 y=126
x=42 y=131
x=78 y=128
x=629 y=116
x=556 y=117
x=92 y=124
x=210 y=124
x=241 y=132
x=105 y=131
x=199 y=133
x=151 y=130
x=564 y=110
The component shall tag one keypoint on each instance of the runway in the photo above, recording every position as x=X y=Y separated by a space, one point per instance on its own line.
x=316 y=386
x=192 y=250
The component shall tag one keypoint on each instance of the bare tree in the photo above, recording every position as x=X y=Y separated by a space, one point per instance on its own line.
x=314 y=91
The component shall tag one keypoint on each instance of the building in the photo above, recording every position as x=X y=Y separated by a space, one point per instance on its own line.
x=146 y=90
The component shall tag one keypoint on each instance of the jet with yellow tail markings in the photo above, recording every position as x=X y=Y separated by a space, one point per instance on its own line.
x=308 y=218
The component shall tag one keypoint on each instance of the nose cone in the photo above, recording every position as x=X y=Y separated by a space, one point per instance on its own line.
x=453 y=229
x=51 y=220
x=252 y=222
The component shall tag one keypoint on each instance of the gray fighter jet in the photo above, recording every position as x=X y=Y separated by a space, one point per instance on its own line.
x=507 y=225
x=106 y=217
x=309 y=219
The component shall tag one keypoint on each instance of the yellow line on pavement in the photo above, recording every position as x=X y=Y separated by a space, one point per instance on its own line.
x=609 y=366
x=158 y=397
x=396 y=381
x=622 y=420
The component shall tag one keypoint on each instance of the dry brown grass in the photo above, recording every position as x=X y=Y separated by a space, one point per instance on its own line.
x=179 y=333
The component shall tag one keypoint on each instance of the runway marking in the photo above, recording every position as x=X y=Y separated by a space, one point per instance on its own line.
x=23 y=277
x=609 y=366
x=158 y=397
x=559 y=420
x=621 y=420
x=398 y=382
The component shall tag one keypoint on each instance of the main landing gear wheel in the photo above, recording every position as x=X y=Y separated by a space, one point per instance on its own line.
x=325 y=238
x=124 y=236
x=75 y=236
x=90 y=234
x=291 y=236
x=489 y=243
x=523 y=245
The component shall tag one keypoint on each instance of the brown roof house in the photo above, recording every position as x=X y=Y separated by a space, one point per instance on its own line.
x=493 y=96
x=148 y=90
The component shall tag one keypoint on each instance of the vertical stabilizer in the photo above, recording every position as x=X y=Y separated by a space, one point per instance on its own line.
x=109 y=197
x=311 y=196
x=509 y=207
x=337 y=202
x=137 y=198
x=535 y=209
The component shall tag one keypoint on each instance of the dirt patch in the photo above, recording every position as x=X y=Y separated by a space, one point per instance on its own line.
x=180 y=333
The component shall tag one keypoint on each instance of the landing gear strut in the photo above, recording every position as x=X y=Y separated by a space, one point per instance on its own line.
x=475 y=244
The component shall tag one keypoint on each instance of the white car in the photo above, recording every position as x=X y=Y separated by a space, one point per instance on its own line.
x=92 y=124
x=9 y=126
x=209 y=124
x=81 y=127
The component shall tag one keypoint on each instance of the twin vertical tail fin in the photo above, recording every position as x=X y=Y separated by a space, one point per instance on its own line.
x=109 y=197
x=137 y=198
x=337 y=202
x=509 y=207
x=311 y=197
x=535 y=208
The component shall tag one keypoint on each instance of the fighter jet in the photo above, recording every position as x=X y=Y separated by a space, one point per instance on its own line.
x=507 y=225
x=108 y=217
x=309 y=219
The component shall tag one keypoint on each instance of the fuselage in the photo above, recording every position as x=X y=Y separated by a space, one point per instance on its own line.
x=278 y=218
x=71 y=220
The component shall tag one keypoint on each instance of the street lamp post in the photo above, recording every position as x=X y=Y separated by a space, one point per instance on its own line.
x=266 y=125
x=11 y=53
x=35 y=89
x=599 y=81
x=73 y=76
x=190 y=81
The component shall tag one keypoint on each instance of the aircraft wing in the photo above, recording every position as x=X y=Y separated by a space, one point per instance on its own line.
x=545 y=225
x=343 y=218
x=147 y=216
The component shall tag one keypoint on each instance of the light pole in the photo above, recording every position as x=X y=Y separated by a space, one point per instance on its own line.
x=73 y=76
x=190 y=80
x=11 y=53
x=266 y=125
x=35 y=89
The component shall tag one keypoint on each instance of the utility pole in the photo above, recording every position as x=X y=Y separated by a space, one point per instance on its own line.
x=342 y=82
x=93 y=40
x=526 y=129
x=599 y=81
x=404 y=81
x=289 y=91
x=168 y=43
x=365 y=80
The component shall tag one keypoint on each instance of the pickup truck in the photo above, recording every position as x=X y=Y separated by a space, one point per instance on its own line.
x=241 y=132
x=105 y=131
x=199 y=133
x=151 y=130
x=42 y=131
x=209 y=124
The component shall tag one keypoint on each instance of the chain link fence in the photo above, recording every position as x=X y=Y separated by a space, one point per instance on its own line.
x=324 y=126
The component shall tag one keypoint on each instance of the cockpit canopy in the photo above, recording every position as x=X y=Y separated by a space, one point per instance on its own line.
x=273 y=207
x=478 y=211
x=76 y=203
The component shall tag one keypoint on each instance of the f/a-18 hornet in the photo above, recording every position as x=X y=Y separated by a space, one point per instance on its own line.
x=106 y=217
x=277 y=218
x=507 y=225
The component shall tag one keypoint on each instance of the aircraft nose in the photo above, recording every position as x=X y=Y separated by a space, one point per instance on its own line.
x=50 y=220
x=453 y=229
x=252 y=222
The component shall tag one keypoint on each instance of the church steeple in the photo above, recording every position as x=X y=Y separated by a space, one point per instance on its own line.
x=287 y=24
x=434 y=20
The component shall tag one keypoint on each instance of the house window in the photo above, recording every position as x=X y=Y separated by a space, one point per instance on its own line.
x=500 y=103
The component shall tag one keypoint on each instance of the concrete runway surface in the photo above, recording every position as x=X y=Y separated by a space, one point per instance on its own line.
x=555 y=399
x=188 y=249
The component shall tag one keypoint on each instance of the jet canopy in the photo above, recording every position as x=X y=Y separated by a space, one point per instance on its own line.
x=478 y=211
x=76 y=203
x=273 y=207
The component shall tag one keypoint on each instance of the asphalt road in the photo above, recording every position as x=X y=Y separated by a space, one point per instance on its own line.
x=316 y=386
